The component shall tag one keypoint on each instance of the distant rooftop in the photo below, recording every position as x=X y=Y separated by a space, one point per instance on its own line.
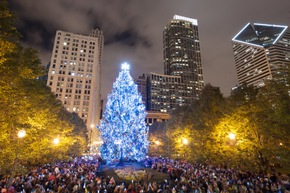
x=261 y=35
x=178 y=17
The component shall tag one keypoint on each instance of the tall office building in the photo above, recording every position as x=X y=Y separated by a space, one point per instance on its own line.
x=260 y=52
x=182 y=80
x=181 y=52
x=74 y=75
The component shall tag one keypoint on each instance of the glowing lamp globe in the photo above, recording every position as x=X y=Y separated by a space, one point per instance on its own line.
x=56 y=141
x=21 y=133
x=185 y=141
x=232 y=136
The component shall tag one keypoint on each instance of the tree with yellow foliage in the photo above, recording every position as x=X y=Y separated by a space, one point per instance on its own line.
x=260 y=121
x=27 y=104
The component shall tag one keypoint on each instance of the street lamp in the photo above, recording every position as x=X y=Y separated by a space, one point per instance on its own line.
x=156 y=148
x=232 y=136
x=157 y=142
x=21 y=133
x=185 y=141
x=56 y=141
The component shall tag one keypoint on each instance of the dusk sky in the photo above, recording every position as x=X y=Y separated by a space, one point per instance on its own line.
x=133 y=30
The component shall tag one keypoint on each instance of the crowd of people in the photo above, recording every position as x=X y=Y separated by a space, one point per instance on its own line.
x=199 y=178
x=84 y=175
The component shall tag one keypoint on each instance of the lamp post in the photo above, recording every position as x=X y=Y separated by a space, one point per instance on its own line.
x=232 y=139
x=21 y=134
x=185 y=143
x=156 y=148
x=55 y=142
x=90 y=142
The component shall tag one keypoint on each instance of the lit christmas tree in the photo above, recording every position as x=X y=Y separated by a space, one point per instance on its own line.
x=123 y=128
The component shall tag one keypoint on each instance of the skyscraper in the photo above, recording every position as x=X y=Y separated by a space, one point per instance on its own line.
x=74 y=75
x=182 y=80
x=181 y=52
x=261 y=51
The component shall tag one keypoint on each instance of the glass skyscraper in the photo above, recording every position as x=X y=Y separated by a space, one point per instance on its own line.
x=261 y=51
x=182 y=80
x=181 y=52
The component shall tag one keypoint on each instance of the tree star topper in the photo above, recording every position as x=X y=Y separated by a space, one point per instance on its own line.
x=125 y=66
